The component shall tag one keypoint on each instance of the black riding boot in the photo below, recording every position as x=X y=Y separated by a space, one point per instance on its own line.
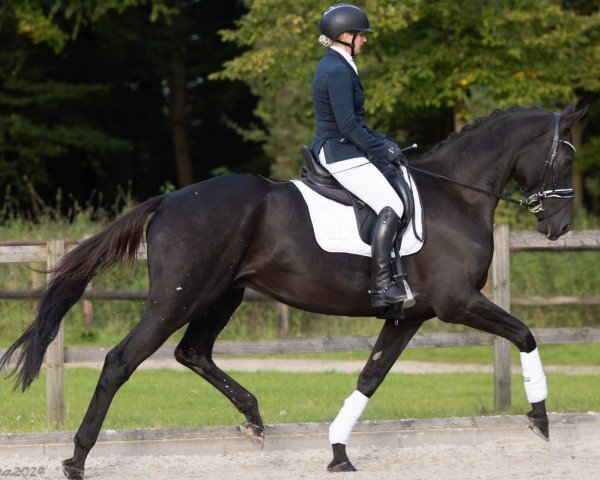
x=383 y=289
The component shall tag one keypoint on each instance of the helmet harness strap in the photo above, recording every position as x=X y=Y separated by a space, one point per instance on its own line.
x=351 y=44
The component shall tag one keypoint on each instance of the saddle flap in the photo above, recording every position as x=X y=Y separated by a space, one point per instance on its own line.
x=319 y=179
x=332 y=223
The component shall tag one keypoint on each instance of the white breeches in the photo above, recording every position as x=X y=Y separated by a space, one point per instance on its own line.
x=361 y=178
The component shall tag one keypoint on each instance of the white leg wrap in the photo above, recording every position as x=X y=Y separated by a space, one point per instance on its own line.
x=534 y=377
x=340 y=429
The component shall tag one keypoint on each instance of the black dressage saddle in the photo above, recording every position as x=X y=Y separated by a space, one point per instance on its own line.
x=321 y=181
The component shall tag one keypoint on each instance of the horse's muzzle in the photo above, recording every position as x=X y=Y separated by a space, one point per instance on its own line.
x=546 y=228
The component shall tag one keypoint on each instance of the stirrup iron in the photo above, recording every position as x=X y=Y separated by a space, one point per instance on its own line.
x=410 y=298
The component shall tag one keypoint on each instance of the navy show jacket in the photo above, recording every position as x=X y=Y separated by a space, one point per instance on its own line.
x=339 y=103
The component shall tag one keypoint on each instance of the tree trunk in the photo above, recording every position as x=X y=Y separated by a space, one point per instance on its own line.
x=179 y=120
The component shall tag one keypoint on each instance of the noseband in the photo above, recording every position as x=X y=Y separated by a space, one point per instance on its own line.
x=534 y=202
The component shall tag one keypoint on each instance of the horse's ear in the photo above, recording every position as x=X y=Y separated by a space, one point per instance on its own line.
x=569 y=116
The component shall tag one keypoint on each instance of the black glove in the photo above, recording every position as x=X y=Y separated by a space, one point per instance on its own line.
x=394 y=153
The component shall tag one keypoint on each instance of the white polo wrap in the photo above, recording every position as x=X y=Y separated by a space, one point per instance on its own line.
x=534 y=377
x=340 y=429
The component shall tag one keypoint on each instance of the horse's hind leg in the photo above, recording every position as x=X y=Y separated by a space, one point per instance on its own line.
x=195 y=352
x=146 y=337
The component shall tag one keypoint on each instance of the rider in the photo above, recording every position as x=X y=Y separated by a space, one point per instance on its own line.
x=344 y=143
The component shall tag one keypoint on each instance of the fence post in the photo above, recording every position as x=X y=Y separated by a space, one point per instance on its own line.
x=55 y=356
x=87 y=309
x=283 y=315
x=501 y=297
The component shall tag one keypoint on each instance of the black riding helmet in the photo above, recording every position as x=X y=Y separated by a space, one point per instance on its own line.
x=344 y=17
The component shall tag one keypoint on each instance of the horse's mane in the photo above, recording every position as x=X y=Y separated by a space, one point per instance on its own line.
x=476 y=123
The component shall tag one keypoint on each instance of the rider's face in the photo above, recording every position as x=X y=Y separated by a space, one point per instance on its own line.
x=360 y=39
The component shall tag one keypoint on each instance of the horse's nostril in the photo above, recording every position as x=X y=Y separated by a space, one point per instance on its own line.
x=566 y=228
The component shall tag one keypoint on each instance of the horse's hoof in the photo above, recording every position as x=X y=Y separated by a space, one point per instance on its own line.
x=254 y=433
x=72 y=472
x=341 y=467
x=541 y=426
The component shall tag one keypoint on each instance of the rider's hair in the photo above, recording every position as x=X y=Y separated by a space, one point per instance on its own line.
x=325 y=41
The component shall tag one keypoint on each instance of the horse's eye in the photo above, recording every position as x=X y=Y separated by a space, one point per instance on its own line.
x=569 y=162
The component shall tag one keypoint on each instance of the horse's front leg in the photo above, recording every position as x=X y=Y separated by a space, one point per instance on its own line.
x=480 y=313
x=388 y=347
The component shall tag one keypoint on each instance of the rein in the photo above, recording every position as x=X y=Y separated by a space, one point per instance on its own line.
x=533 y=202
x=507 y=198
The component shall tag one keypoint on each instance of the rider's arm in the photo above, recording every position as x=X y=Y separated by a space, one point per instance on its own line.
x=375 y=133
x=341 y=97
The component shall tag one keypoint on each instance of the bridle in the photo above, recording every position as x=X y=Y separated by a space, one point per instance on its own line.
x=532 y=202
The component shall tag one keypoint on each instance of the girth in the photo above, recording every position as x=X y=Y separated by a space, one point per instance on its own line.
x=315 y=176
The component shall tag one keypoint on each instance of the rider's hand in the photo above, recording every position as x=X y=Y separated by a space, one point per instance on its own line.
x=394 y=153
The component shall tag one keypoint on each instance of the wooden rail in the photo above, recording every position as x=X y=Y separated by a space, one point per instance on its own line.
x=544 y=336
x=518 y=242
x=96 y=294
x=504 y=242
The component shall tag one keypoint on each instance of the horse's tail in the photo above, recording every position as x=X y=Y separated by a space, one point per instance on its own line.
x=117 y=243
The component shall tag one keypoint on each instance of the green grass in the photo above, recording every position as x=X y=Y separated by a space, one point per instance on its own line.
x=163 y=398
x=587 y=354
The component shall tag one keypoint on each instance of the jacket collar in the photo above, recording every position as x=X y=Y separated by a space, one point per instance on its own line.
x=347 y=57
x=337 y=55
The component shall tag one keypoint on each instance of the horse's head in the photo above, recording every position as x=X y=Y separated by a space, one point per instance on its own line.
x=543 y=170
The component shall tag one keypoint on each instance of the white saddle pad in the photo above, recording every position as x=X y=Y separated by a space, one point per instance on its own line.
x=335 y=226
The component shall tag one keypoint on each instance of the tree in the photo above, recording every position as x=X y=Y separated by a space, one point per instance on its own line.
x=278 y=58
x=199 y=109
x=39 y=122
x=178 y=104
x=467 y=56
x=97 y=114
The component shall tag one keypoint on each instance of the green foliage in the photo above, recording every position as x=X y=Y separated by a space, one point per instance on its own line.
x=277 y=64
x=54 y=23
x=470 y=55
x=181 y=399
x=26 y=146
x=588 y=159
x=516 y=52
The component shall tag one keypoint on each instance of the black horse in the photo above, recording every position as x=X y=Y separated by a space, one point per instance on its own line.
x=209 y=241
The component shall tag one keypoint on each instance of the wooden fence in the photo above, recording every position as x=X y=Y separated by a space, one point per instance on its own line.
x=504 y=243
